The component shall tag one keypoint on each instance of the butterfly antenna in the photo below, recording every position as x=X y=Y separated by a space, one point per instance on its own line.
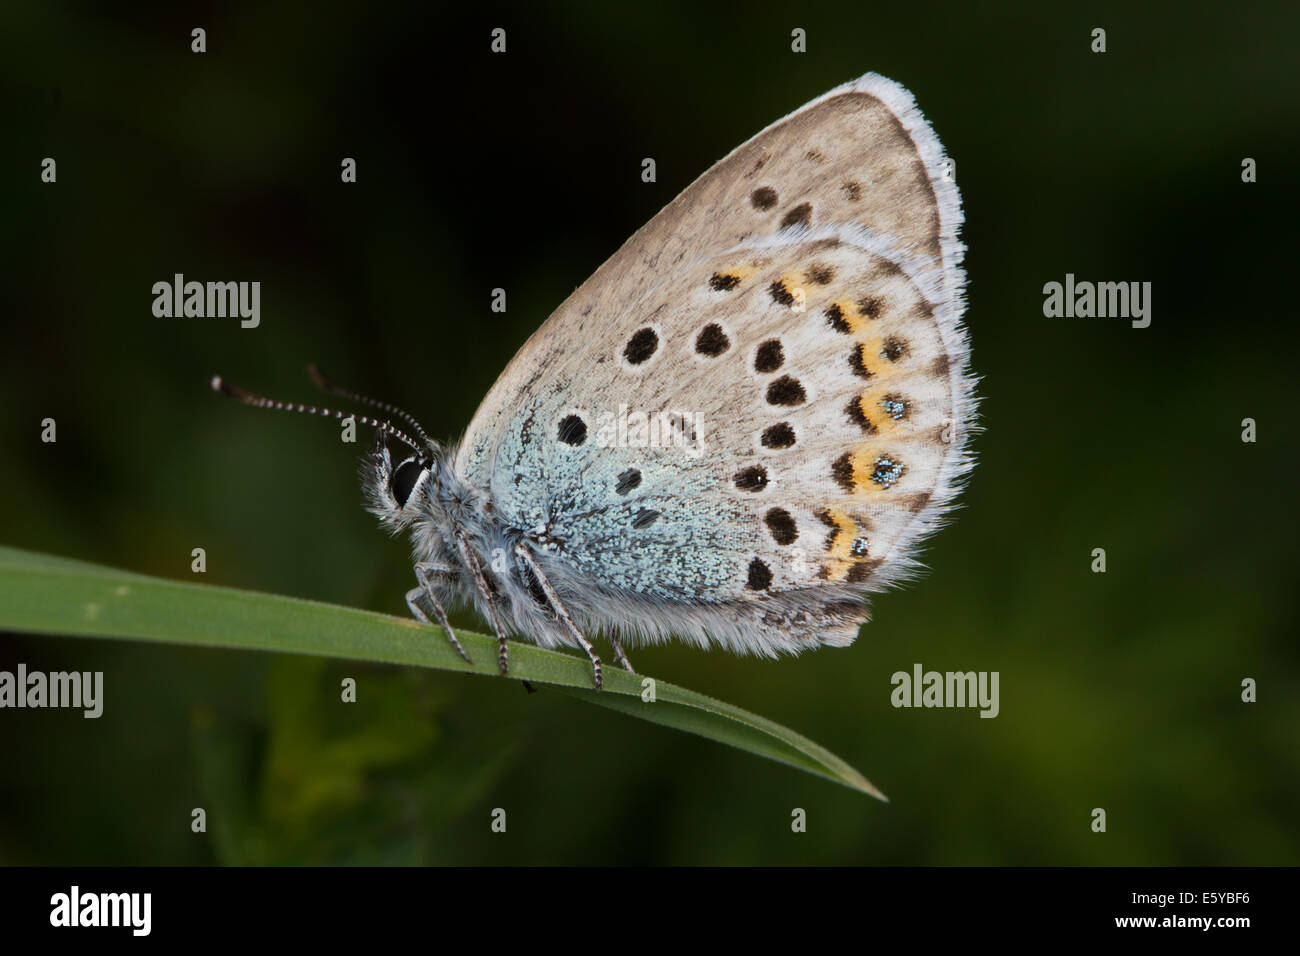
x=259 y=401
x=327 y=384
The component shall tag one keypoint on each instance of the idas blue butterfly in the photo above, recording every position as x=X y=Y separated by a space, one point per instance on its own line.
x=741 y=425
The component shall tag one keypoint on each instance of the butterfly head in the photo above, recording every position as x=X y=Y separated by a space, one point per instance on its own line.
x=399 y=485
x=395 y=485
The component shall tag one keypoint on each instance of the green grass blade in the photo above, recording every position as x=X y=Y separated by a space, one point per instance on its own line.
x=44 y=594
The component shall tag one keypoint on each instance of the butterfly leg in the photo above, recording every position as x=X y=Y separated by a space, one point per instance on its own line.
x=480 y=581
x=563 y=613
x=425 y=590
x=621 y=656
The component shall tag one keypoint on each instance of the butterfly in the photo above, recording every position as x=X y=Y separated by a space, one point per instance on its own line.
x=736 y=430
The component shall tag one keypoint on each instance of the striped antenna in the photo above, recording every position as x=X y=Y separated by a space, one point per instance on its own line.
x=259 y=401
x=327 y=384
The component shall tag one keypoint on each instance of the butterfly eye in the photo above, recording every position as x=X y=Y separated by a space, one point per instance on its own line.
x=404 y=479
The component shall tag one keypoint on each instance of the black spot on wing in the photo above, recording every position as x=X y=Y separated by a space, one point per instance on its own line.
x=800 y=215
x=780 y=294
x=786 y=391
x=782 y=526
x=641 y=346
x=712 y=341
x=572 y=430
x=769 y=356
x=627 y=481
x=644 y=519
x=780 y=435
x=835 y=316
x=753 y=478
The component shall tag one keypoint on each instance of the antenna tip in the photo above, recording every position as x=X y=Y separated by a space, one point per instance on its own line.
x=219 y=384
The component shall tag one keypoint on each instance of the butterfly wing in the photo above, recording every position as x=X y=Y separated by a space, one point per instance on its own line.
x=748 y=417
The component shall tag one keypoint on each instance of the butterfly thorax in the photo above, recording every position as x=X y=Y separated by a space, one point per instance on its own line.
x=458 y=533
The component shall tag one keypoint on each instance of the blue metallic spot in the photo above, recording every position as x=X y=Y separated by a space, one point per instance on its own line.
x=887 y=471
x=895 y=407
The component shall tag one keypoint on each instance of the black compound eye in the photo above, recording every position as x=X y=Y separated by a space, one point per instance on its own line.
x=404 y=479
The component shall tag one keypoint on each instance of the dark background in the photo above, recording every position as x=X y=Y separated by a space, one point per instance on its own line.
x=522 y=171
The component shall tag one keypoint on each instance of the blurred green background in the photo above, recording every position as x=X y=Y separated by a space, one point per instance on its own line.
x=1118 y=690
